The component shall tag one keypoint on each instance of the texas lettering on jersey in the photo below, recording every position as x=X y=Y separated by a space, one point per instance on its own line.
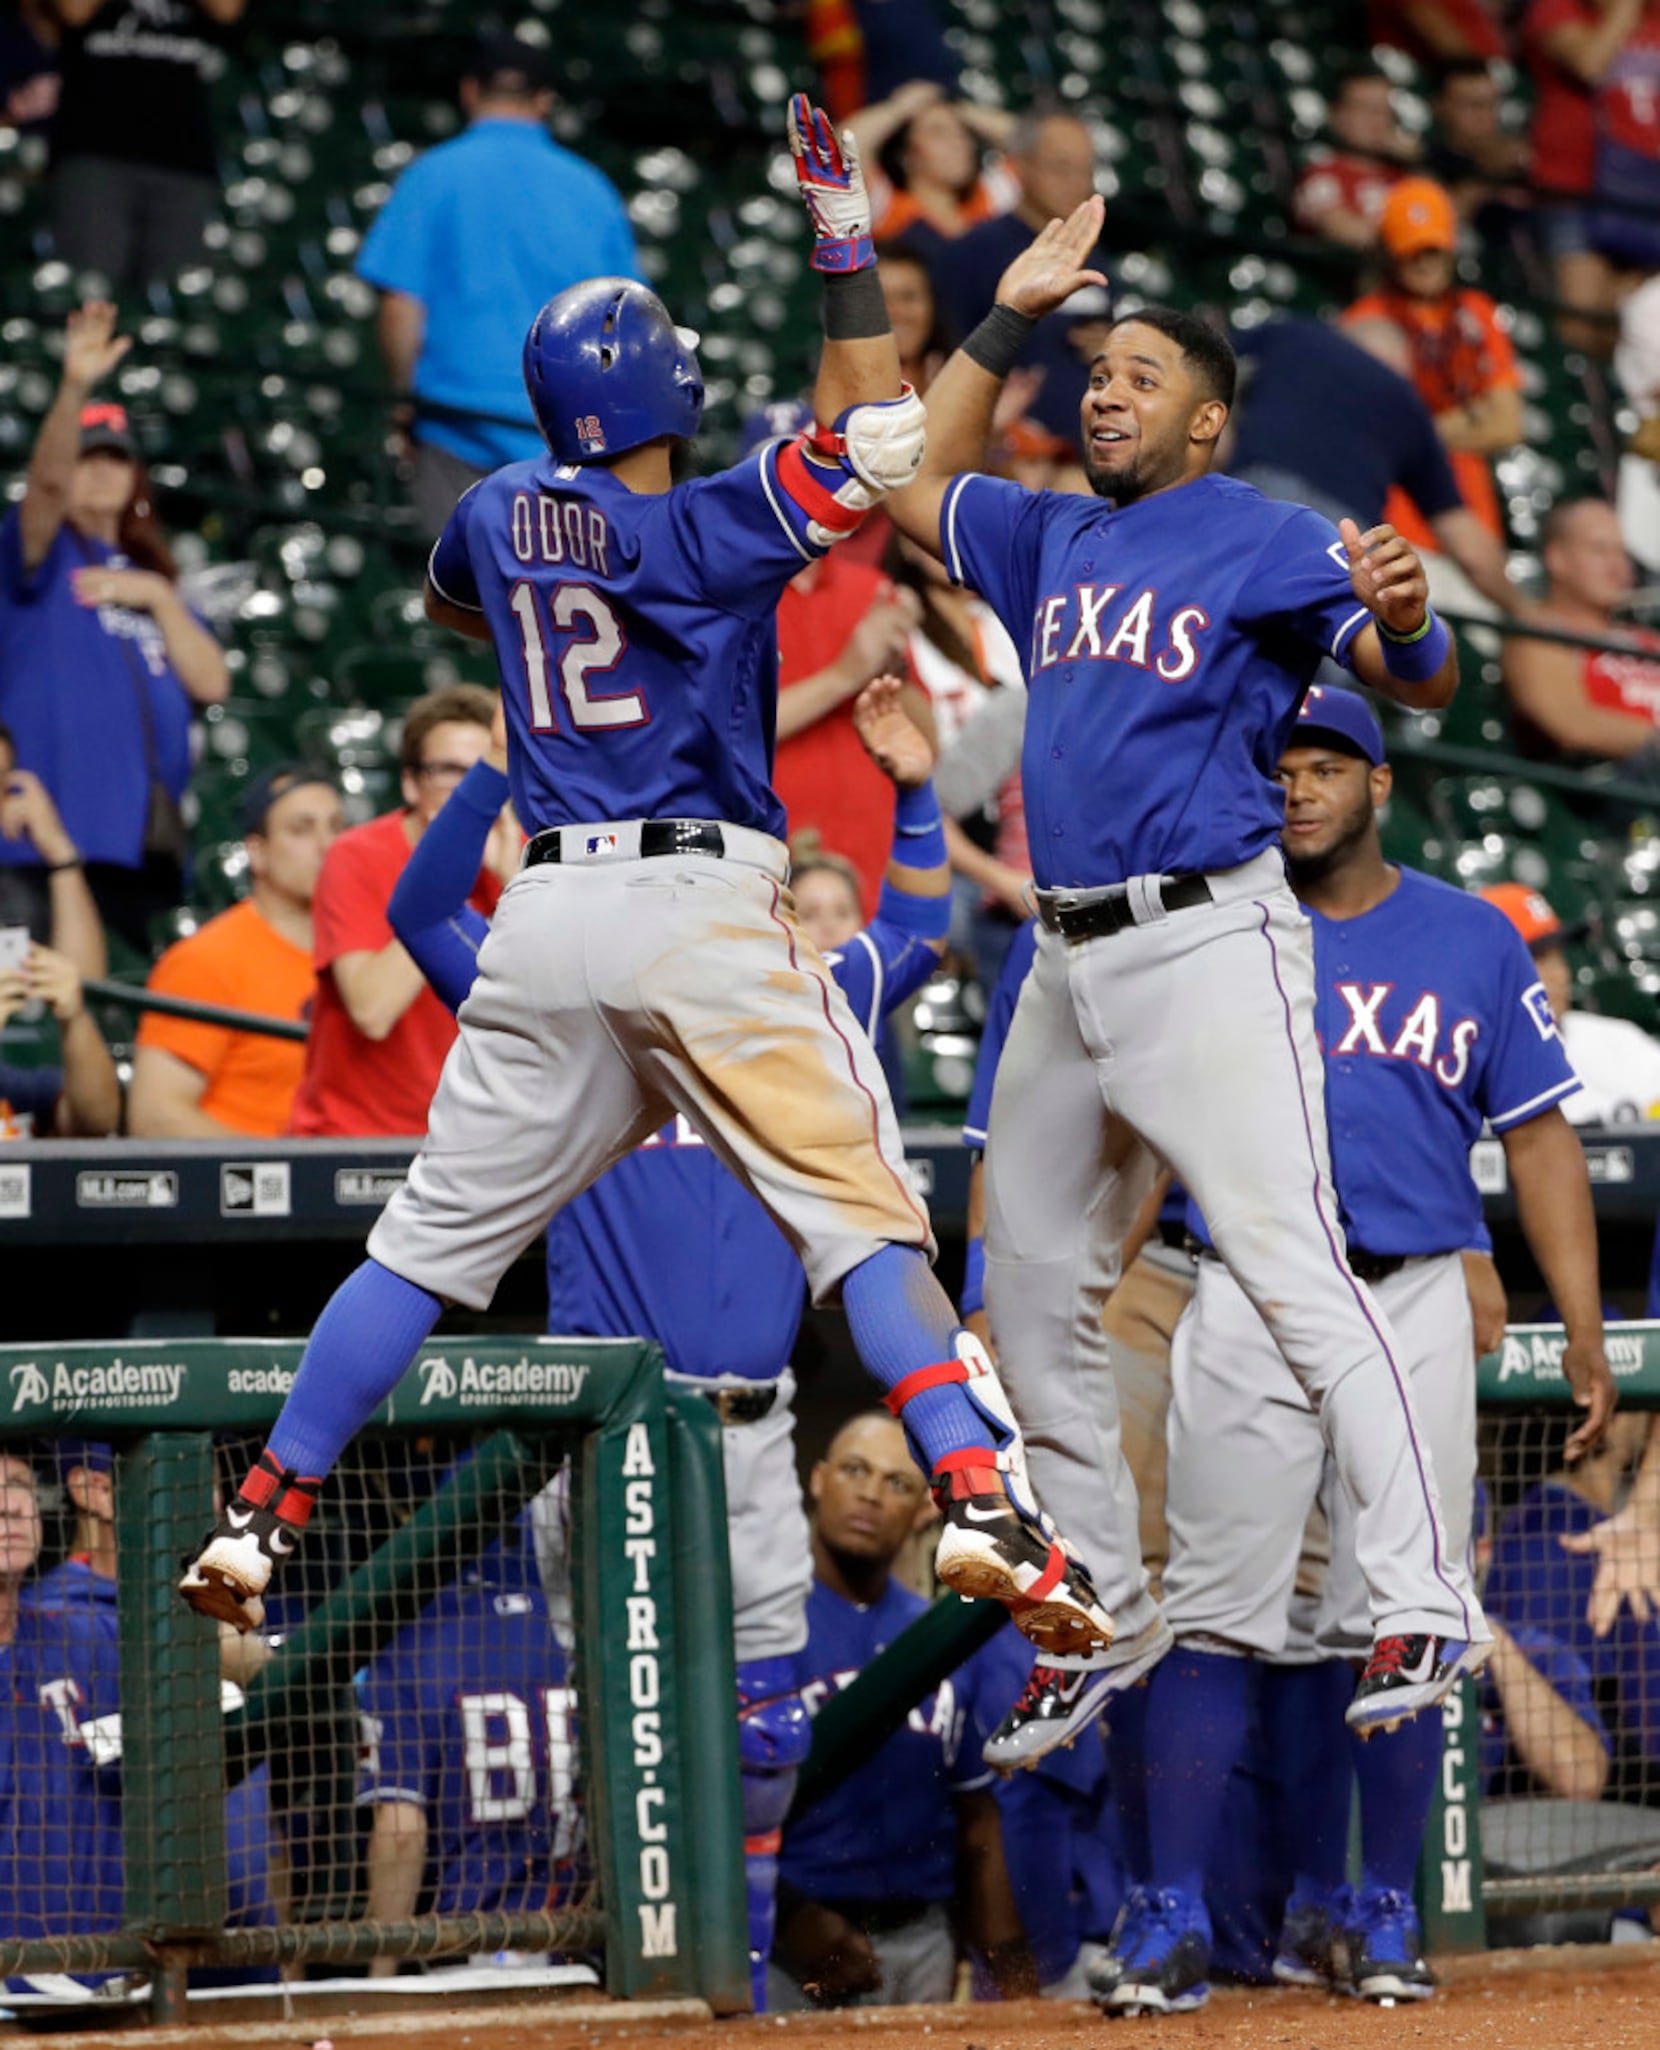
x=1085 y=623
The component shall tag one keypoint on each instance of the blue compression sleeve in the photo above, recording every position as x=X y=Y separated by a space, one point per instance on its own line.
x=447 y=954
x=440 y=873
x=918 y=842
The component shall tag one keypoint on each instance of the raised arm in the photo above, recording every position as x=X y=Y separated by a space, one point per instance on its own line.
x=962 y=399
x=916 y=888
x=92 y=349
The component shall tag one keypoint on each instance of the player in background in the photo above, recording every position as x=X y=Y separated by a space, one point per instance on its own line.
x=668 y=1245
x=1169 y=1016
x=469 y=1756
x=646 y=961
x=1433 y=1020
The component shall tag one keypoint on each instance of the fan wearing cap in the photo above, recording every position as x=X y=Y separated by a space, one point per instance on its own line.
x=476 y=235
x=1617 y=1063
x=1432 y=1022
x=1461 y=361
x=101 y=660
x=200 y=1081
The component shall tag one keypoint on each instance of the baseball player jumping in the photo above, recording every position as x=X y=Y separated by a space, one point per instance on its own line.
x=1171 y=632
x=1433 y=1019
x=666 y=1245
x=646 y=960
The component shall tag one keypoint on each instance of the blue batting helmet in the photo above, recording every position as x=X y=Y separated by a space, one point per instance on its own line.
x=606 y=369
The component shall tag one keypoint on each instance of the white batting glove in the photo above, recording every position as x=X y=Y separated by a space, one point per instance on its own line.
x=832 y=189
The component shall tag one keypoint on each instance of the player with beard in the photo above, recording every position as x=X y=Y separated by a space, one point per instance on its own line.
x=1433 y=1019
x=1172 y=625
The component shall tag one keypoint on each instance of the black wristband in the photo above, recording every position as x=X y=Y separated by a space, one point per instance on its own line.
x=57 y=868
x=854 y=308
x=998 y=340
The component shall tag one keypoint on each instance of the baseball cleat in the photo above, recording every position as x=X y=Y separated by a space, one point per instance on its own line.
x=1166 y=1962
x=1386 y=1948
x=1058 y=1703
x=257 y=1532
x=1310 y=1934
x=1104 y=1973
x=991 y=1552
x=1405 y=1675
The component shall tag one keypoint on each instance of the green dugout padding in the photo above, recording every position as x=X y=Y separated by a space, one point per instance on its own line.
x=653 y=1620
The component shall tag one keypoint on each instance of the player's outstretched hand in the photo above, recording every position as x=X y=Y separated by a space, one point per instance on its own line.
x=1052 y=266
x=892 y=739
x=1589 y=1376
x=1627 y=1552
x=832 y=189
x=1387 y=576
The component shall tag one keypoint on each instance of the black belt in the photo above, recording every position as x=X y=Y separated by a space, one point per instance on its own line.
x=1363 y=1266
x=657 y=837
x=1109 y=912
x=740 y=1405
x=880 y=1917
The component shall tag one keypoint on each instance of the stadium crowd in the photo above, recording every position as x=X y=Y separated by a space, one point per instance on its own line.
x=1473 y=162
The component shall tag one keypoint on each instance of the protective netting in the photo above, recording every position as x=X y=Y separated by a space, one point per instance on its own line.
x=396 y=1750
x=1570 y=1705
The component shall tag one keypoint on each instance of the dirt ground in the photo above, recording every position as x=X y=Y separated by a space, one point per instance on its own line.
x=1582 y=2000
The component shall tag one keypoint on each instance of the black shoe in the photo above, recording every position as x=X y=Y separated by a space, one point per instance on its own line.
x=991 y=1551
x=1407 y=1674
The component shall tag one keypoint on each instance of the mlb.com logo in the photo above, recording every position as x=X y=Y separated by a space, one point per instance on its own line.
x=600 y=843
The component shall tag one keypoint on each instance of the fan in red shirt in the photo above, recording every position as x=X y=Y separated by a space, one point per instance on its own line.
x=378 y=1033
x=1580 y=55
x=839 y=624
x=1341 y=194
x=1581 y=702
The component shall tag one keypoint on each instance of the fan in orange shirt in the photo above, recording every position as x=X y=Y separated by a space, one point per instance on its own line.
x=195 y=1081
x=1460 y=357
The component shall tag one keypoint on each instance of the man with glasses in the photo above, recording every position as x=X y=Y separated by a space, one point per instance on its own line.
x=378 y=1034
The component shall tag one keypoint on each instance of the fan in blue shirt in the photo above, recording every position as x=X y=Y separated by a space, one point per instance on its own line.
x=477 y=234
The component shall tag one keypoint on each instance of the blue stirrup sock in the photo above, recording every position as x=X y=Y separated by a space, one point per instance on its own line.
x=1197 y=1703
x=1302 y=1711
x=903 y=1324
x=370 y=1330
x=1397 y=1771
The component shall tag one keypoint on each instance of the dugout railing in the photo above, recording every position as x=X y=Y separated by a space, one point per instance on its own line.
x=662 y=1899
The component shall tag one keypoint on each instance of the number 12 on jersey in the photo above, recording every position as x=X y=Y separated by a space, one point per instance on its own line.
x=594 y=645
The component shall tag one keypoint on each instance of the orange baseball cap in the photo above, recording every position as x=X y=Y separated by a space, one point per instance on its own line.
x=1527 y=911
x=1417 y=215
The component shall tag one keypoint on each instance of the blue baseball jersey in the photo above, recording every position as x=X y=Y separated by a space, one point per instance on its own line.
x=1535 y=1584
x=467 y=1715
x=1168 y=645
x=60 y=1821
x=249 y=1847
x=634 y=634
x=888 y=1831
x=1432 y=1020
